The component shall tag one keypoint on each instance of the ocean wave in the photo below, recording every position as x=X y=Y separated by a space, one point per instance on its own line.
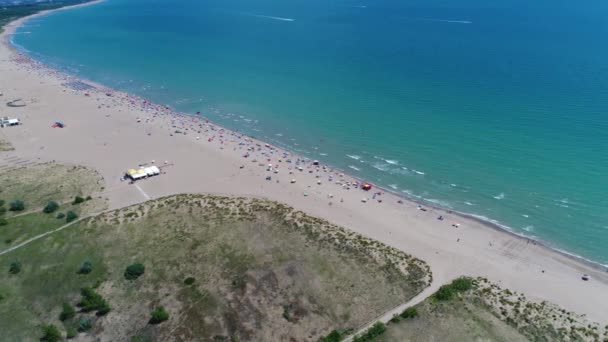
x=381 y=166
x=528 y=228
x=469 y=203
x=354 y=168
x=355 y=157
x=393 y=186
x=418 y=172
x=392 y=162
x=500 y=196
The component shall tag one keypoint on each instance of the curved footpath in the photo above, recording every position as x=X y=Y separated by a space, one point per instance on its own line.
x=112 y=132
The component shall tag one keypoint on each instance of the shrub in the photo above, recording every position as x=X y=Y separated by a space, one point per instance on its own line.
x=134 y=271
x=410 y=312
x=462 y=284
x=88 y=198
x=70 y=333
x=16 y=205
x=78 y=200
x=51 y=334
x=60 y=215
x=371 y=333
x=447 y=292
x=84 y=324
x=189 y=281
x=3 y=222
x=86 y=267
x=2 y=202
x=159 y=315
x=50 y=207
x=93 y=301
x=333 y=336
x=70 y=216
x=2 y=210
x=15 y=267
x=67 y=312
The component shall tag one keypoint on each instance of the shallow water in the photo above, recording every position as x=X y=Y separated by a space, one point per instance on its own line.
x=500 y=110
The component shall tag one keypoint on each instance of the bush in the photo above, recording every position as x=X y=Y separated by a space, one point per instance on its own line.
x=3 y=222
x=70 y=333
x=2 y=210
x=134 y=271
x=70 y=216
x=2 y=202
x=15 y=267
x=78 y=200
x=84 y=324
x=462 y=284
x=67 y=312
x=16 y=205
x=51 y=334
x=189 y=281
x=333 y=336
x=93 y=301
x=50 y=207
x=159 y=315
x=371 y=333
x=86 y=267
x=88 y=198
x=410 y=312
x=60 y=215
x=447 y=292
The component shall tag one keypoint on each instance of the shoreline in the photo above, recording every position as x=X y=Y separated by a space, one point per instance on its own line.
x=489 y=222
x=11 y=27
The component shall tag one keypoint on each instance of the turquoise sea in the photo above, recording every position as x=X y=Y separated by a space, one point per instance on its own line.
x=499 y=109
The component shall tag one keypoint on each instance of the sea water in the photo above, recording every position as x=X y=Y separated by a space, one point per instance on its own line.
x=498 y=109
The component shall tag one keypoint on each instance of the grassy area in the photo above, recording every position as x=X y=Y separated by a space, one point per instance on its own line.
x=35 y=185
x=488 y=313
x=12 y=12
x=222 y=268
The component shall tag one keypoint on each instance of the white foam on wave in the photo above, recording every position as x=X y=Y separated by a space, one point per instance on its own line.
x=500 y=196
x=322 y=154
x=394 y=186
x=380 y=166
x=392 y=162
x=528 y=228
x=269 y=17
x=418 y=172
x=354 y=168
x=447 y=21
x=469 y=203
x=355 y=157
x=524 y=215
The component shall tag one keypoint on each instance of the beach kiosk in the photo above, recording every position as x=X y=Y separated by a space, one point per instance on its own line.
x=144 y=172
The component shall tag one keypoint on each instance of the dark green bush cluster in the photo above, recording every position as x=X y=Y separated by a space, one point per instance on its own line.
x=86 y=267
x=371 y=333
x=134 y=271
x=16 y=205
x=410 y=312
x=93 y=301
x=334 y=336
x=70 y=216
x=3 y=222
x=67 y=312
x=189 y=281
x=50 y=207
x=14 y=267
x=60 y=215
x=159 y=315
x=78 y=200
x=2 y=208
x=51 y=334
x=84 y=324
x=447 y=292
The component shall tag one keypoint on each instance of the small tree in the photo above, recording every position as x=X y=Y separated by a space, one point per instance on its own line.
x=60 y=215
x=93 y=301
x=51 y=334
x=86 y=267
x=50 y=207
x=2 y=202
x=70 y=216
x=78 y=200
x=3 y=222
x=189 y=281
x=134 y=271
x=159 y=315
x=15 y=267
x=67 y=312
x=16 y=205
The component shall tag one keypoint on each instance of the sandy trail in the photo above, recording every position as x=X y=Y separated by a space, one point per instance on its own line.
x=115 y=132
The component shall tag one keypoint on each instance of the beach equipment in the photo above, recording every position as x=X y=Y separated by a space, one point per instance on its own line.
x=58 y=124
x=366 y=187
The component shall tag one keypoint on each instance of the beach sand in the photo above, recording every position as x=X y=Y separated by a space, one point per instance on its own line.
x=112 y=132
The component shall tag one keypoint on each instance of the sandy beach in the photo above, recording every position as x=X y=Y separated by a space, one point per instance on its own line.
x=112 y=132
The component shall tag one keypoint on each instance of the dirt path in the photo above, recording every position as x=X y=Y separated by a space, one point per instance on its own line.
x=387 y=316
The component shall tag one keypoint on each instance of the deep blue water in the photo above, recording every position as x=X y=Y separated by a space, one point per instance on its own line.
x=499 y=109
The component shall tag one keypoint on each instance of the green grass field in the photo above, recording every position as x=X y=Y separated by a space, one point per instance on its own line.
x=261 y=270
